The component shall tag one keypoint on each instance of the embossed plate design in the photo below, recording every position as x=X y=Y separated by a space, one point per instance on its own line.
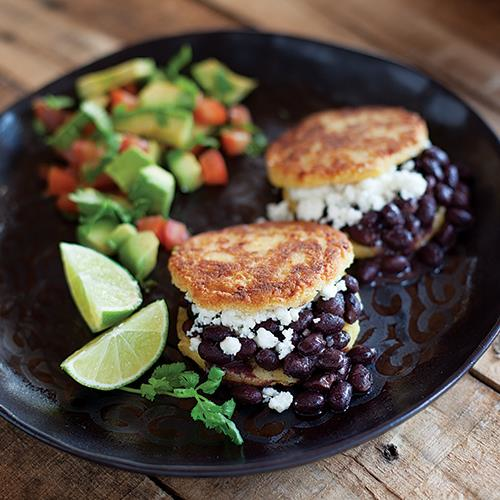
x=429 y=332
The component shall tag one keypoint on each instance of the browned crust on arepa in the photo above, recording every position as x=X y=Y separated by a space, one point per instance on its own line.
x=260 y=266
x=345 y=146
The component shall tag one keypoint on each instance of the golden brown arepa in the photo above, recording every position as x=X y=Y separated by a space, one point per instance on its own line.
x=345 y=146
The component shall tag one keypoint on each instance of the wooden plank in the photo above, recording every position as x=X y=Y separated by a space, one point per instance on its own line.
x=449 y=449
x=487 y=369
x=31 y=469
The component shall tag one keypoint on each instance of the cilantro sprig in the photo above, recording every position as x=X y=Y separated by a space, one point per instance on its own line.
x=176 y=381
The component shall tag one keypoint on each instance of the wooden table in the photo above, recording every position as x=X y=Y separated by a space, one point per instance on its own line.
x=448 y=450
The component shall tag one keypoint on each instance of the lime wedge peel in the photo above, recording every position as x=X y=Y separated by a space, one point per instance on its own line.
x=122 y=354
x=104 y=292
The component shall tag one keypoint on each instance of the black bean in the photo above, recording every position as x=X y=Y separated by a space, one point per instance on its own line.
x=394 y=264
x=331 y=359
x=267 y=359
x=413 y=224
x=451 y=175
x=369 y=219
x=247 y=394
x=351 y=283
x=305 y=318
x=248 y=349
x=398 y=238
x=444 y=194
x=334 y=306
x=309 y=403
x=328 y=323
x=437 y=154
x=340 y=396
x=362 y=354
x=367 y=270
x=360 y=378
x=433 y=167
x=312 y=344
x=269 y=325
x=365 y=235
x=460 y=199
x=338 y=340
x=459 y=217
x=432 y=254
x=216 y=333
x=298 y=366
x=344 y=369
x=392 y=215
x=407 y=206
x=426 y=210
x=353 y=308
x=321 y=383
x=446 y=236
x=187 y=325
x=431 y=184
x=213 y=353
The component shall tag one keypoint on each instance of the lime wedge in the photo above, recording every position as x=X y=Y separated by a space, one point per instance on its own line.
x=121 y=355
x=104 y=292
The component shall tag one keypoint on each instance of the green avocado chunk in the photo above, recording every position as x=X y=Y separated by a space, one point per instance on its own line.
x=120 y=235
x=96 y=235
x=165 y=93
x=139 y=253
x=157 y=186
x=220 y=82
x=100 y=82
x=125 y=167
x=186 y=169
x=172 y=127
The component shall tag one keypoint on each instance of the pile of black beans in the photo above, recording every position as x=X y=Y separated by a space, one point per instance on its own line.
x=328 y=377
x=401 y=224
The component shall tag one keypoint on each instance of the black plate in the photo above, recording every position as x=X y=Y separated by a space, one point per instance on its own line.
x=430 y=333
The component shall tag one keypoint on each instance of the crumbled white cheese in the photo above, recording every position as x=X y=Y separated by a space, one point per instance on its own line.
x=344 y=204
x=277 y=400
x=194 y=343
x=230 y=346
x=330 y=290
x=316 y=320
x=265 y=339
x=279 y=211
x=285 y=347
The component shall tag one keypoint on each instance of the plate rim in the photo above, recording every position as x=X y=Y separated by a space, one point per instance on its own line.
x=291 y=459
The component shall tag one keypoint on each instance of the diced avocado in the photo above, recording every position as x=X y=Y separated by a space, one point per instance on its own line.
x=68 y=132
x=139 y=253
x=174 y=130
x=157 y=186
x=100 y=82
x=125 y=167
x=96 y=235
x=186 y=169
x=165 y=93
x=100 y=100
x=93 y=204
x=120 y=235
x=220 y=82
x=154 y=151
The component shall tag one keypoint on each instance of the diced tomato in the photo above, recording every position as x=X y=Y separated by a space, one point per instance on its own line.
x=60 y=181
x=83 y=151
x=130 y=140
x=213 y=168
x=121 y=96
x=155 y=223
x=174 y=233
x=239 y=115
x=51 y=118
x=104 y=182
x=235 y=141
x=65 y=205
x=209 y=111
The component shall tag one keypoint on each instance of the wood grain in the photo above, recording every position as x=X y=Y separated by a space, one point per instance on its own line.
x=32 y=470
x=441 y=452
x=487 y=369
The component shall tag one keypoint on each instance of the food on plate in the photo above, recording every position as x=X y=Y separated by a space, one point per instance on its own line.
x=137 y=132
x=373 y=173
x=271 y=303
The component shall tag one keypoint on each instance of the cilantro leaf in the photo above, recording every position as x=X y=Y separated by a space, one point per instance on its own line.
x=58 y=101
x=213 y=381
x=168 y=371
x=257 y=145
x=222 y=85
x=178 y=62
x=39 y=127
